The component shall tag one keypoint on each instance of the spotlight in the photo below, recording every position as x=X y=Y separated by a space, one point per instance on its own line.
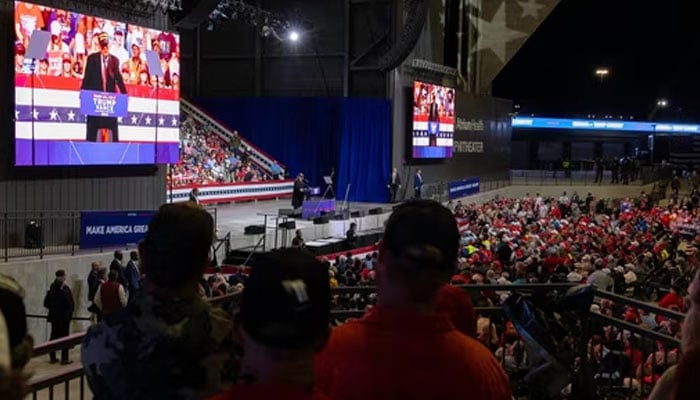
x=293 y=36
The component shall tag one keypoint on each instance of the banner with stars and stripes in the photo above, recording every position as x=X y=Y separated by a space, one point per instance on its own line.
x=49 y=114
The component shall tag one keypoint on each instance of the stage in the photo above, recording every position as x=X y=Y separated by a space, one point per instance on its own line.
x=234 y=218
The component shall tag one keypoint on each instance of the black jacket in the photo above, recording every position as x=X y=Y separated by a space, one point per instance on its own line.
x=59 y=302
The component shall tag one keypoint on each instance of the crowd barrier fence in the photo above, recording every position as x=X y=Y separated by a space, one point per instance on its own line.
x=590 y=383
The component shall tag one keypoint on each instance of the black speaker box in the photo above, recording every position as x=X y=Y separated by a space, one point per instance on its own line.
x=375 y=211
x=340 y=216
x=254 y=230
x=288 y=225
x=321 y=220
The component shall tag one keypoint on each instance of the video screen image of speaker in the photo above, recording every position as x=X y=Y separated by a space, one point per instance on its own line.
x=92 y=91
x=433 y=120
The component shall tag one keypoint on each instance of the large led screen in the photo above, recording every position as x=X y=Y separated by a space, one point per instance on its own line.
x=103 y=93
x=433 y=120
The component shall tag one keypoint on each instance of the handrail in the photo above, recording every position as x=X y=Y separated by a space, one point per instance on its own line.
x=76 y=338
x=635 y=328
x=65 y=374
x=258 y=156
x=640 y=304
x=58 y=344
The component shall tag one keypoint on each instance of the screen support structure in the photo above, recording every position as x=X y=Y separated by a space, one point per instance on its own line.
x=36 y=50
x=156 y=69
x=346 y=204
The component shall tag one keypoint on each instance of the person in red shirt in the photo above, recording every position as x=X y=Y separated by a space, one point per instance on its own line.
x=283 y=321
x=403 y=348
x=456 y=303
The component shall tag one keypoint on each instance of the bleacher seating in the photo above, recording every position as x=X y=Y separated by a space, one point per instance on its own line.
x=209 y=158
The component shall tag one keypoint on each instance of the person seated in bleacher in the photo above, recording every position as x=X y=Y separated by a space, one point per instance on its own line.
x=168 y=343
x=208 y=158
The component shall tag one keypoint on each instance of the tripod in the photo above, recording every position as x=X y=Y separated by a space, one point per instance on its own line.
x=329 y=189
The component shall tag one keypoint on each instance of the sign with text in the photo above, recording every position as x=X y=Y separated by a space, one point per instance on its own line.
x=103 y=104
x=113 y=228
x=463 y=187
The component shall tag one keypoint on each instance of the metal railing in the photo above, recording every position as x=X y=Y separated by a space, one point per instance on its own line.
x=37 y=234
x=586 y=176
x=591 y=380
x=439 y=190
x=65 y=376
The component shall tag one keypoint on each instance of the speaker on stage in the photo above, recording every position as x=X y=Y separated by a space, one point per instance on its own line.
x=321 y=220
x=357 y=214
x=254 y=230
x=288 y=225
x=375 y=211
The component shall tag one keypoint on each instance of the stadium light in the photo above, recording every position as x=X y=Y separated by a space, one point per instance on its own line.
x=602 y=73
x=662 y=103
x=293 y=36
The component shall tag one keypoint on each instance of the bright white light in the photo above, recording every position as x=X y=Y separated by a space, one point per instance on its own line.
x=601 y=72
x=293 y=36
x=662 y=102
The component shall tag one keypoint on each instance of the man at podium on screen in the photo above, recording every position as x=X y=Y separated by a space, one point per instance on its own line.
x=102 y=73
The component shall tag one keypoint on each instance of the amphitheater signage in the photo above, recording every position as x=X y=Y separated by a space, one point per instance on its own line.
x=113 y=228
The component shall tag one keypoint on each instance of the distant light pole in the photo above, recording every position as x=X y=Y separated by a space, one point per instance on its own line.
x=602 y=73
x=660 y=103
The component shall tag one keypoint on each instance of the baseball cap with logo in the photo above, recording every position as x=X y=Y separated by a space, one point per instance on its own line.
x=286 y=300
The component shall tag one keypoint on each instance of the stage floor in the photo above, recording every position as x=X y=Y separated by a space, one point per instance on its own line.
x=235 y=217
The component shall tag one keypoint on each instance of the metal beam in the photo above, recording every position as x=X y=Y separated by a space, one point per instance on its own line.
x=244 y=57
x=370 y=1
x=371 y=47
x=346 y=63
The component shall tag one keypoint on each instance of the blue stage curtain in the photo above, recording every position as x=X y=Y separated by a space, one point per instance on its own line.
x=364 y=158
x=316 y=136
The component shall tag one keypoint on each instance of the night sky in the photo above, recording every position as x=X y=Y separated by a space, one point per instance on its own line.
x=652 y=49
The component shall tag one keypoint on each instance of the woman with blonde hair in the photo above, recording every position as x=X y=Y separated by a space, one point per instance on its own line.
x=680 y=382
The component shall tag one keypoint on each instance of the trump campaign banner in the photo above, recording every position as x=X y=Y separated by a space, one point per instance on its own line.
x=113 y=228
x=103 y=104
x=463 y=187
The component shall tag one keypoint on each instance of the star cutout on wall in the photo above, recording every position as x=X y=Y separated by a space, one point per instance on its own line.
x=148 y=120
x=495 y=34
x=530 y=8
x=174 y=121
x=134 y=119
x=120 y=120
x=53 y=115
x=161 y=121
x=35 y=114
x=16 y=114
x=71 y=115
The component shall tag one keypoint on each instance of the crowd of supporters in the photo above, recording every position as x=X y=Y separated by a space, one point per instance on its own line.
x=207 y=158
x=419 y=338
